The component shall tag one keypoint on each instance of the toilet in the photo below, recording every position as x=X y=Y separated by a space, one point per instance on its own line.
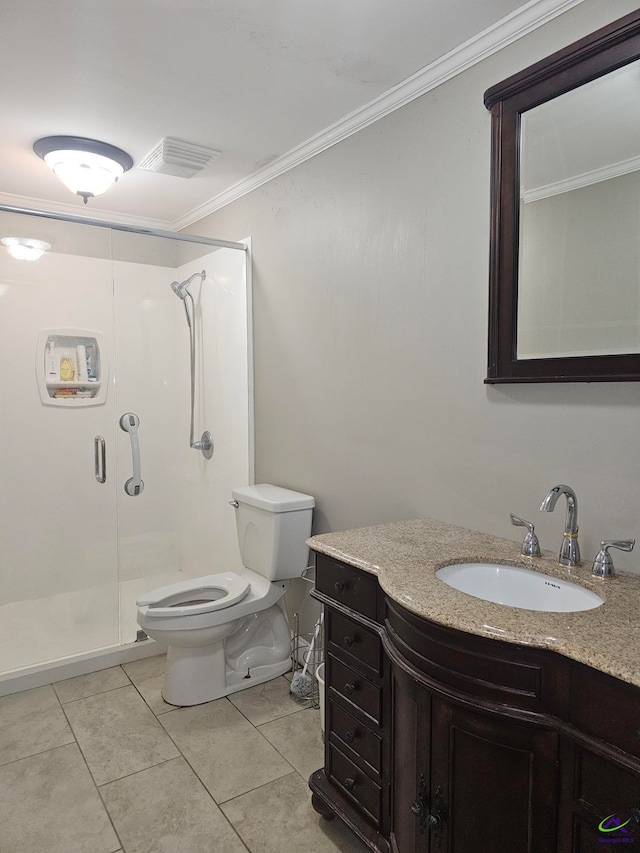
x=228 y=631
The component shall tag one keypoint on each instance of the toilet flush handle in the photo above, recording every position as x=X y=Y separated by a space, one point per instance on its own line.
x=234 y=504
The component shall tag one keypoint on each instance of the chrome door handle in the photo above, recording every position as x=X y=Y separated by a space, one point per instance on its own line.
x=130 y=423
x=100 y=459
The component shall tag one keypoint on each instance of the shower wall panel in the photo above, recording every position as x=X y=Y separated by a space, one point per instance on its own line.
x=207 y=522
x=181 y=525
x=58 y=546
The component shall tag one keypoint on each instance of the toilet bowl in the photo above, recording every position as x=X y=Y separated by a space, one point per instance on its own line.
x=229 y=631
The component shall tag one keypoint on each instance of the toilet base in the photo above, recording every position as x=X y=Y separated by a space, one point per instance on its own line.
x=257 y=650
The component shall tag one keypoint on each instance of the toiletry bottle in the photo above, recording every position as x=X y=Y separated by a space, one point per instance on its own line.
x=67 y=370
x=81 y=356
x=90 y=356
x=52 y=364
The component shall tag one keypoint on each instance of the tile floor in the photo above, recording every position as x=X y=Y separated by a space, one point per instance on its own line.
x=101 y=764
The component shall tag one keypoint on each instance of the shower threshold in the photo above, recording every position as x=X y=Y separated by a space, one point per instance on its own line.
x=39 y=675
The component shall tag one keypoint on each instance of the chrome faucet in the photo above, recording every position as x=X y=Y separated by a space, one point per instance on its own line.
x=569 y=550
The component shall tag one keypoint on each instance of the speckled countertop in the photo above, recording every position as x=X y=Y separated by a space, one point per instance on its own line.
x=406 y=554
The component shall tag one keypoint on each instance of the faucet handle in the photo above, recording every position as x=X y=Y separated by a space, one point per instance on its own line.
x=603 y=563
x=530 y=546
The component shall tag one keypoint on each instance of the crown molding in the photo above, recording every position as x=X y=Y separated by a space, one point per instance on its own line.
x=604 y=173
x=515 y=26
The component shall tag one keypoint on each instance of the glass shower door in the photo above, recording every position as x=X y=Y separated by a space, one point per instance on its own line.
x=58 y=523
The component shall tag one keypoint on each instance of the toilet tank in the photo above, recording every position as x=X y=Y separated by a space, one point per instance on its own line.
x=273 y=525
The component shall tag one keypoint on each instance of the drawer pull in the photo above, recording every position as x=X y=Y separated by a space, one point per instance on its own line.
x=349 y=689
x=340 y=587
x=349 y=784
x=351 y=736
x=349 y=641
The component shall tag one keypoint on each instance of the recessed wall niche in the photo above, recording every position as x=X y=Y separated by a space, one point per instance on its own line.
x=71 y=368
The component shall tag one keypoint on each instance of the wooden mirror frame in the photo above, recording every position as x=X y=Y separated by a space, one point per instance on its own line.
x=605 y=50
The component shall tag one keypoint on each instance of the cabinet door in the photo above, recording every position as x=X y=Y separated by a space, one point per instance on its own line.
x=411 y=762
x=600 y=800
x=497 y=781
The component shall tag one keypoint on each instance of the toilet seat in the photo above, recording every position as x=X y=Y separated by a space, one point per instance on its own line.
x=196 y=595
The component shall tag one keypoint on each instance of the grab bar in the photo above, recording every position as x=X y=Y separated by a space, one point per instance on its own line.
x=130 y=423
x=100 y=459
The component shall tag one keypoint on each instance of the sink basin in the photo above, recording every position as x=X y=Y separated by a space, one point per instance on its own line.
x=518 y=587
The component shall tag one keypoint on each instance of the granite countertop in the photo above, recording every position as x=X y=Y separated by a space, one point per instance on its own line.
x=406 y=554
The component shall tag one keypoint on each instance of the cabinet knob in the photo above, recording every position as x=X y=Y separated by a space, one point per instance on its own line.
x=349 y=641
x=351 y=736
x=349 y=784
x=434 y=822
x=417 y=807
x=340 y=587
x=349 y=689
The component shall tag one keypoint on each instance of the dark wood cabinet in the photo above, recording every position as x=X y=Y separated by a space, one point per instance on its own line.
x=355 y=783
x=440 y=741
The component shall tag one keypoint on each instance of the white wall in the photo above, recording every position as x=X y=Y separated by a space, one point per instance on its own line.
x=370 y=312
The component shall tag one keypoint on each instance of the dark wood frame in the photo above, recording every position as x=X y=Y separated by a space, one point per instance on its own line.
x=605 y=50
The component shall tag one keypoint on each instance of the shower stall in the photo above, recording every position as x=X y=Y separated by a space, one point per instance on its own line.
x=102 y=384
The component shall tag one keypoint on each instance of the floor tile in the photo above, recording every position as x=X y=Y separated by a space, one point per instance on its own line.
x=118 y=734
x=279 y=818
x=299 y=739
x=266 y=702
x=49 y=802
x=229 y=755
x=31 y=722
x=166 y=808
x=88 y=685
x=148 y=676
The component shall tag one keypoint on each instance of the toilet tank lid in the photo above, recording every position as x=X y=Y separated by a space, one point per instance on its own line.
x=273 y=498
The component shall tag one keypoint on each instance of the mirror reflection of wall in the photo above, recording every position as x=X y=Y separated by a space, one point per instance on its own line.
x=579 y=258
x=579 y=272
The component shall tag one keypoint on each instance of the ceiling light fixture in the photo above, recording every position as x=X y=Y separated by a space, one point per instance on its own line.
x=25 y=248
x=86 y=166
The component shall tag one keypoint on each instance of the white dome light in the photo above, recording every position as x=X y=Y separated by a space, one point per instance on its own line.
x=86 y=166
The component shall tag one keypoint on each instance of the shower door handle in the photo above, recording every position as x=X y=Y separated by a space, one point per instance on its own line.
x=100 y=458
x=130 y=423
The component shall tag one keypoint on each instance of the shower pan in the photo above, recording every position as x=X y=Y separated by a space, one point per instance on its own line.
x=101 y=496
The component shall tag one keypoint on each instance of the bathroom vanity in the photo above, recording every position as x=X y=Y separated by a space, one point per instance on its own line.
x=457 y=725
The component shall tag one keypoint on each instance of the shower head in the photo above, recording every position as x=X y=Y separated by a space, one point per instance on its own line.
x=181 y=288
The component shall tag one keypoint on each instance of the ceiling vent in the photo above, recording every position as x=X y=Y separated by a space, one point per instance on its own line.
x=173 y=156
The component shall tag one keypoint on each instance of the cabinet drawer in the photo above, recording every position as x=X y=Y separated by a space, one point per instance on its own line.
x=351 y=638
x=606 y=708
x=355 y=783
x=354 y=688
x=352 y=735
x=348 y=586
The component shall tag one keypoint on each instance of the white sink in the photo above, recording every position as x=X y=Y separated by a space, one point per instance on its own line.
x=518 y=587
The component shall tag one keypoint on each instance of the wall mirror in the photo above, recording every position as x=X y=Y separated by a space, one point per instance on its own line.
x=564 y=290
